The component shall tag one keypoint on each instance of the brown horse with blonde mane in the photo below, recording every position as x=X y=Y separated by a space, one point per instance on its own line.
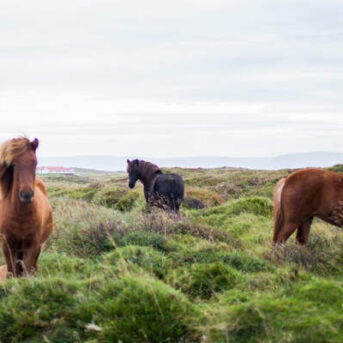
x=26 y=219
x=303 y=195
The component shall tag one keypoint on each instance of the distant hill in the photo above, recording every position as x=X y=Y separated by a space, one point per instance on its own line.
x=115 y=163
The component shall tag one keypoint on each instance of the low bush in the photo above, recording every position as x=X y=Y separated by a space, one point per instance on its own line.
x=256 y=205
x=193 y=203
x=127 y=202
x=203 y=280
x=111 y=196
x=205 y=196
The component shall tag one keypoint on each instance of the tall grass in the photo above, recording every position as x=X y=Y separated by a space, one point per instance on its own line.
x=113 y=273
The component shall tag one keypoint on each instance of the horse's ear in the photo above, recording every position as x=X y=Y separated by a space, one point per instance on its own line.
x=34 y=144
x=128 y=161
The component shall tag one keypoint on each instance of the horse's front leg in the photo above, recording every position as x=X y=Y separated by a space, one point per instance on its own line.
x=35 y=265
x=31 y=255
x=10 y=257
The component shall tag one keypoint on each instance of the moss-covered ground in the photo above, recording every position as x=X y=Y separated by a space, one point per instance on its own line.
x=114 y=272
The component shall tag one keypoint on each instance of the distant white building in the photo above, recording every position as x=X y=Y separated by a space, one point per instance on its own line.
x=55 y=170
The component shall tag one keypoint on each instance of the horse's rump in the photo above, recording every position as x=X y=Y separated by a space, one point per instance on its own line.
x=278 y=210
x=167 y=190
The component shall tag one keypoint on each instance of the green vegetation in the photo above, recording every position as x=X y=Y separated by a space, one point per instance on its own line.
x=114 y=272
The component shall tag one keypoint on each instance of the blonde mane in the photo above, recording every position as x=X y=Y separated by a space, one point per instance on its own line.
x=9 y=151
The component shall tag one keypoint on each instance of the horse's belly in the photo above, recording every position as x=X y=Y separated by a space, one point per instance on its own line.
x=335 y=216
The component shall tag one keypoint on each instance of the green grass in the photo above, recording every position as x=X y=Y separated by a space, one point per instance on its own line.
x=114 y=272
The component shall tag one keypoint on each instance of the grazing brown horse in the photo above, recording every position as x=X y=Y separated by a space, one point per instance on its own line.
x=303 y=195
x=161 y=190
x=26 y=219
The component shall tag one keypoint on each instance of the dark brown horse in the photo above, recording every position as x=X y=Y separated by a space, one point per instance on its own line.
x=162 y=190
x=26 y=219
x=303 y=195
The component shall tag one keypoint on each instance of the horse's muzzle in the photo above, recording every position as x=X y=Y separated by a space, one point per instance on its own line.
x=26 y=197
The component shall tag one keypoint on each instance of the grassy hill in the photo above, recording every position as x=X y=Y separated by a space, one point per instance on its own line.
x=113 y=272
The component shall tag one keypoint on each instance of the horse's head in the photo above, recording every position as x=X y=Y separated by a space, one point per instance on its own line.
x=24 y=172
x=134 y=172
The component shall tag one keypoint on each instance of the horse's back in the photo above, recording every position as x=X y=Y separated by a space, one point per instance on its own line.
x=45 y=210
x=313 y=180
x=169 y=184
x=312 y=191
x=41 y=186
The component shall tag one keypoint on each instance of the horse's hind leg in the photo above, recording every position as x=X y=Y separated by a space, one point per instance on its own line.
x=303 y=232
x=286 y=230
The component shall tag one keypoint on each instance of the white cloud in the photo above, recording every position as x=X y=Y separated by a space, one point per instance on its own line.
x=172 y=78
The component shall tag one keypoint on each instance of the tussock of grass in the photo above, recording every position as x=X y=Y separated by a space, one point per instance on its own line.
x=148 y=259
x=140 y=309
x=204 y=280
x=294 y=319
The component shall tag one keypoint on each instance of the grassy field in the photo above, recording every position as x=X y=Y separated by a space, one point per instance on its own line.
x=113 y=272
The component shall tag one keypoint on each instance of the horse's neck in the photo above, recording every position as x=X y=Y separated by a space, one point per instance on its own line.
x=148 y=181
x=149 y=172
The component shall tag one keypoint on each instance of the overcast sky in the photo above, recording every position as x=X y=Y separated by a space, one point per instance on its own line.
x=173 y=78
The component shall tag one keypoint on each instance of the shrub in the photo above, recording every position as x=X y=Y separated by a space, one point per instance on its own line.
x=110 y=196
x=205 y=196
x=82 y=229
x=127 y=202
x=165 y=224
x=192 y=203
x=89 y=241
x=323 y=254
x=255 y=205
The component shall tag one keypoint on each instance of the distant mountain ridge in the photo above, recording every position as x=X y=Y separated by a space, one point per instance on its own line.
x=117 y=163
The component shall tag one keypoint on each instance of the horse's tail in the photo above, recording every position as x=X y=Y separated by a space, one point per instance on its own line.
x=175 y=192
x=278 y=208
